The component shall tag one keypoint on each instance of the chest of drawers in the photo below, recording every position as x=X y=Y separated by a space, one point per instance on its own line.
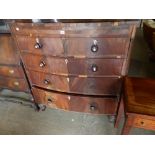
x=11 y=72
x=76 y=66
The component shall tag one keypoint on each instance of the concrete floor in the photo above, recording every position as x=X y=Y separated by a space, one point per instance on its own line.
x=16 y=118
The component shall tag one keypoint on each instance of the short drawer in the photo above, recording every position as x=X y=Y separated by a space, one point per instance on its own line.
x=95 y=67
x=13 y=83
x=71 y=66
x=94 y=105
x=11 y=71
x=97 y=47
x=79 y=85
x=144 y=123
x=48 y=81
x=8 y=51
x=41 y=45
x=45 y=64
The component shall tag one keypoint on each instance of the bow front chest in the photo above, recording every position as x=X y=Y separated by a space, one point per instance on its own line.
x=76 y=66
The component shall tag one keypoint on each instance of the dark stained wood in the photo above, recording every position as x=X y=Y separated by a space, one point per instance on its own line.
x=119 y=113
x=11 y=71
x=148 y=34
x=80 y=85
x=50 y=46
x=51 y=65
x=81 y=47
x=95 y=86
x=71 y=30
x=140 y=96
x=48 y=81
x=75 y=47
x=71 y=66
x=65 y=65
x=52 y=100
x=127 y=125
x=76 y=103
x=94 y=105
x=103 y=66
x=139 y=104
x=153 y=40
x=8 y=50
x=14 y=84
x=108 y=22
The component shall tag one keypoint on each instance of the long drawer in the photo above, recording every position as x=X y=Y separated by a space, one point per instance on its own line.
x=71 y=30
x=74 y=47
x=95 y=105
x=79 y=85
x=11 y=71
x=72 y=66
x=13 y=83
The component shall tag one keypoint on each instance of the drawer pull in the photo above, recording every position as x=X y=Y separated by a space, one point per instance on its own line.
x=17 y=28
x=16 y=83
x=42 y=64
x=93 y=107
x=46 y=81
x=11 y=71
x=67 y=79
x=38 y=45
x=142 y=123
x=49 y=100
x=94 y=68
x=94 y=47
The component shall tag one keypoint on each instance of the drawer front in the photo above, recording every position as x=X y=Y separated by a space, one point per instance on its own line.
x=8 y=51
x=92 y=105
x=97 y=47
x=45 y=64
x=75 y=47
x=79 y=85
x=38 y=63
x=70 y=66
x=49 y=81
x=70 y=30
x=144 y=123
x=31 y=29
x=41 y=46
x=12 y=71
x=13 y=83
x=95 y=86
x=95 y=67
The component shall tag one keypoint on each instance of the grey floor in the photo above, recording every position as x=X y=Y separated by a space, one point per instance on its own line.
x=16 y=118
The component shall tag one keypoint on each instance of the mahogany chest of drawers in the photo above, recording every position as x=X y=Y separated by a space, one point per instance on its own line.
x=76 y=66
x=11 y=72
